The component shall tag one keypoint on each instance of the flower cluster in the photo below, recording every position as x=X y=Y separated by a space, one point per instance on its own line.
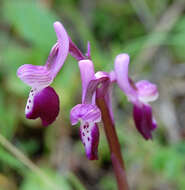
x=43 y=101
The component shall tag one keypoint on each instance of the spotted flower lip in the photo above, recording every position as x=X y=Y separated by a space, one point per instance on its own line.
x=139 y=94
x=88 y=115
x=43 y=101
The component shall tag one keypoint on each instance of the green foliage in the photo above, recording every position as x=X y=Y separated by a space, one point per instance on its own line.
x=7 y=159
x=112 y=27
x=8 y=121
x=33 y=182
x=34 y=23
x=108 y=183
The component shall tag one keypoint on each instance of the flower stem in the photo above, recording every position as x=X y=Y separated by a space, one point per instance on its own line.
x=114 y=145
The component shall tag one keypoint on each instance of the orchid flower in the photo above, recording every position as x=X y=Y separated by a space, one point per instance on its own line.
x=43 y=101
x=139 y=94
x=88 y=113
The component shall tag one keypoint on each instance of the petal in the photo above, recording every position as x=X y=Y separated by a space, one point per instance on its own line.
x=52 y=56
x=89 y=134
x=85 y=112
x=42 y=76
x=75 y=51
x=35 y=76
x=60 y=50
x=87 y=73
x=121 y=71
x=44 y=104
x=144 y=121
x=99 y=80
x=147 y=91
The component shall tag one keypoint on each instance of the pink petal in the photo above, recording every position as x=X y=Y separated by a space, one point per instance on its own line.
x=147 y=91
x=44 y=104
x=100 y=79
x=87 y=73
x=35 y=76
x=121 y=71
x=89 y=134
x=85 y=112
x=60 y=51
x=42 y=76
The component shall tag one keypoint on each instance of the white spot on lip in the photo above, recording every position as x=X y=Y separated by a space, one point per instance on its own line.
x=86 y=133
x=29 y=104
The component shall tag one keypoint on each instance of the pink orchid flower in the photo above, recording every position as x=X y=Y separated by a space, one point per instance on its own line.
x=43 y=101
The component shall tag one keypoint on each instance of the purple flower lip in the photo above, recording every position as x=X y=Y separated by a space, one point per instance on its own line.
x=144 y=121
x=44 y=104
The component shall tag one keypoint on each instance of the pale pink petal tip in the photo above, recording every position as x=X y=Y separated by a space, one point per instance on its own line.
x=147 y=91
x=122 y=58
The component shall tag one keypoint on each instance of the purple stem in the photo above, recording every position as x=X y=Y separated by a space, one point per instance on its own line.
x=112 y=138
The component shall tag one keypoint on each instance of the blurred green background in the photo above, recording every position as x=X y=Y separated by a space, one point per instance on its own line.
x=153 y=33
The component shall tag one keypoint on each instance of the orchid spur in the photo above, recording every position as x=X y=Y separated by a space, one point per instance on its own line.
x=43 y=101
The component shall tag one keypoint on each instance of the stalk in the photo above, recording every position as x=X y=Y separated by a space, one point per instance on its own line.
x=114 y=145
